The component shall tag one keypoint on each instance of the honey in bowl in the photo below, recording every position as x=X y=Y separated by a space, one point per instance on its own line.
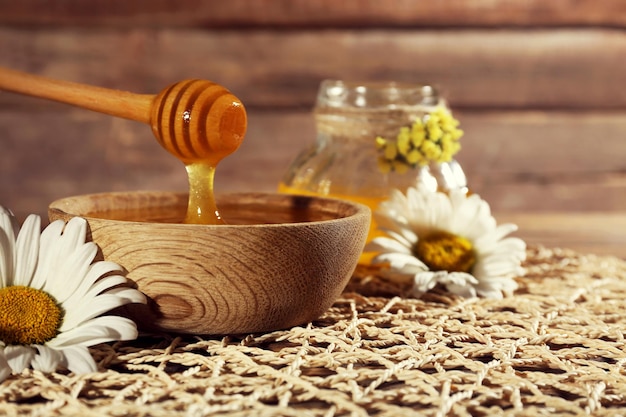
x=172 y=208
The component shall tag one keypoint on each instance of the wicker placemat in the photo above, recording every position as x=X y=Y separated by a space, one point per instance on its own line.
x=556 y=348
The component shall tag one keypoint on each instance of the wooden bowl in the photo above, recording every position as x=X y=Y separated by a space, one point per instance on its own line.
x=280 y=260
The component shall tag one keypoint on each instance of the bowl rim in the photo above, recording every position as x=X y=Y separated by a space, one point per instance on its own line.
x=359 y=209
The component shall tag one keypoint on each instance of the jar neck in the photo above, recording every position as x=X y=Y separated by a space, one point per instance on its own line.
x=366 y=110
x=375 y=95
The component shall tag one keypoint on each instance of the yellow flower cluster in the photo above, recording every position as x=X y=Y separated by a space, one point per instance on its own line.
x=433 y=138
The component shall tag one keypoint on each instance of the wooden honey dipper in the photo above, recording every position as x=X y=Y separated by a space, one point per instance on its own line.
x=197 y=121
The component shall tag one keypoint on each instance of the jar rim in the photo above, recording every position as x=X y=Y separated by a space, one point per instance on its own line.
x=375 y=94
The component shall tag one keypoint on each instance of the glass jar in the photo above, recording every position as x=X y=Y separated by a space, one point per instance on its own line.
x=359 y=154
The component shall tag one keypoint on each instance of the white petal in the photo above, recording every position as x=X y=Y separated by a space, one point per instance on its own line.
x=459 y=283
x=27 y=251
x=93 y=307
x=424 y=282
x=47 y=360
x=496 y=265
x=19 y=357
x=128 y=295
x=505 y=229
x=74 y=234
x=471 y=217
x=489 y=292
x=399 y=232
x=466 y=291
x=409 y=236
x=103 y=284
x=491 y=240
x=102 y=268
x=11 y=226
x=5 y=369
x=7 y=248
x=515 y=246
x=58 y=248
x=49 y=253
x=402 y=263
x=93 y=284
x=457 y=278
x=79 y=360
x=70 y=274
x=98 y=330
x=436 y=211
x=83 y=305
x=385 y=244
x=6 y=259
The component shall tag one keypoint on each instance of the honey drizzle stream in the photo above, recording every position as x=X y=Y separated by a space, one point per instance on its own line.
x=200 y=123
x=202 y=208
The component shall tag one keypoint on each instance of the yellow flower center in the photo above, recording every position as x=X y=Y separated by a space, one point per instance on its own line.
x=28 y=316
x=443 y=251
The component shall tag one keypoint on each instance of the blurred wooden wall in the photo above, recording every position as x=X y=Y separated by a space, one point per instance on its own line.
x=539 y=87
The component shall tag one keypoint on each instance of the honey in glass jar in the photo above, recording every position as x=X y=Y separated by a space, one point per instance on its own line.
x=375 y=137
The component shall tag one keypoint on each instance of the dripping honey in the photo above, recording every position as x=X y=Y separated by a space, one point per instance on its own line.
x=201 y=207
x=200 y=123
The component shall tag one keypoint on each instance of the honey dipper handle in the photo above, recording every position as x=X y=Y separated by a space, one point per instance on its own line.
x=113 y=102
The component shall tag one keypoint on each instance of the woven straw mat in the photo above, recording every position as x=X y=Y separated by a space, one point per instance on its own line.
x=554 y=348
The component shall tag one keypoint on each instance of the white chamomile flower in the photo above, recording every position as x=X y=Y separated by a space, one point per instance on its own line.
x=53 y=297
x=449 y=239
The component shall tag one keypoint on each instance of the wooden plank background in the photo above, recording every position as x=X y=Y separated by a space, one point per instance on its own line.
x=539 y=87
x=318 y=13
